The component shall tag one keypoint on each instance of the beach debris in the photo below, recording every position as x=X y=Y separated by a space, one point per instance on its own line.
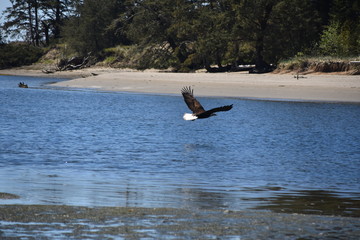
x=297 y=76
x=76 y=63
x=355 y=67
x=48 y=71
x=22 y=85
x=262 y=68
x=230 y=68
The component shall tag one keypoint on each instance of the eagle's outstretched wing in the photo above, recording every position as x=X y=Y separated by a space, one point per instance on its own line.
x=214 y=110
x=191 y=101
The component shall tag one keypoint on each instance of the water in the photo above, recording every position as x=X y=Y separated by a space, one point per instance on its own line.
x=90 y=148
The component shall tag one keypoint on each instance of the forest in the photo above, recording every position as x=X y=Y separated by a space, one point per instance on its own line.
x=182 y=35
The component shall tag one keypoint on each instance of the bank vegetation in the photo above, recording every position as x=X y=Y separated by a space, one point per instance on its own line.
x=184 y=35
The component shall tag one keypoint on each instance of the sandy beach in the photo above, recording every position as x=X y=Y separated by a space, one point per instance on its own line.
x=310 y=87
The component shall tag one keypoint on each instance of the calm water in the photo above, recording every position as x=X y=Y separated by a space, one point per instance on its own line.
x=88 y=148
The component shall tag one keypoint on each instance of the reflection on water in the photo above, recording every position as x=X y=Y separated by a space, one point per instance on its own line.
x=311 y=202
x=199 y=199
x=113 y=149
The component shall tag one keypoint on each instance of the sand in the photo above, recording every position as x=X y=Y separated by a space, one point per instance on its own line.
x=311 y=87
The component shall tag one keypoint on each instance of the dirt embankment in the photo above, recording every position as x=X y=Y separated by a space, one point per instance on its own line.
x=307 y=66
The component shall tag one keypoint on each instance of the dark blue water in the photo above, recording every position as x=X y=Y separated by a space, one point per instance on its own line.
x=80 y=147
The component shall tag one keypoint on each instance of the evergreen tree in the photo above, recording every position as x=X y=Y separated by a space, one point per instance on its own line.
x=191 y=34
x=55 y=12
x=215 y=21
x=87 y=32
x=296 y=29
x=22 y=19
x=36 y=21
x=1 y=38
x=341 y=36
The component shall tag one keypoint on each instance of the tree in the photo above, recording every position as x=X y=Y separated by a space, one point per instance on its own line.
x=189 y=34
x=1 y=38
x=54 y=14
x=341 y=36
x=87 y=32
x=296 y=29
x=254 y=25
x=22 y=19
x=276 y=29
x=214 y=25
x=150 y=25
x=36 y=21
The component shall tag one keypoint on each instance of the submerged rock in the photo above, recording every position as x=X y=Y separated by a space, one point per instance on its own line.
x=8 y=196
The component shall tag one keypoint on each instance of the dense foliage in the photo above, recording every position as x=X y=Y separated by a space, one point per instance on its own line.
x=15 y=55
x=190 y=34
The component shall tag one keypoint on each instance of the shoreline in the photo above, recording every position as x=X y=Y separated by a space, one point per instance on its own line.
x=242 y=85
x=158 y=223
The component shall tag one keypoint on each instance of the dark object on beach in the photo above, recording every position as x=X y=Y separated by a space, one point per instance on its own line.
x=48 y=71
x=264 y=68
x=230 y=68
x=195 y=106
x=297 y=76
x=226 y=68
x=22 y=85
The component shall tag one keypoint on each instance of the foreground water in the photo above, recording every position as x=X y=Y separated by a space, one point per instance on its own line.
x=88 y=148
x=81 y=164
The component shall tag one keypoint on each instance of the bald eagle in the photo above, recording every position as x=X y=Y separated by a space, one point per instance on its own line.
x=196 y=108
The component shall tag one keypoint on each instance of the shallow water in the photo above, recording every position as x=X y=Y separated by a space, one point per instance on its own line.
x=71 y=222
x=90 y=148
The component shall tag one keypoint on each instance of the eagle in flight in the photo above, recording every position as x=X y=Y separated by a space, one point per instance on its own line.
x=196 y=108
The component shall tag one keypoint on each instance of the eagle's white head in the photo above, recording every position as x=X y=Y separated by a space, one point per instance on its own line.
x=189 y=117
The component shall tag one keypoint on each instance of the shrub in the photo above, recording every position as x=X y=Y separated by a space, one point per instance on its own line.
x=15 y=55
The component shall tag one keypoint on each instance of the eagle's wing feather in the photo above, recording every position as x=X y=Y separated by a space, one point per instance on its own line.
x=221 y=109
x=214 y=110
x=191 y=101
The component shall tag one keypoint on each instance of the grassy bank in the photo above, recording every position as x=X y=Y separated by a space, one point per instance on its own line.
x=131 y=57
x=307 y=65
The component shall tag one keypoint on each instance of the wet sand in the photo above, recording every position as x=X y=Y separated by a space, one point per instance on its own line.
x=62 y=222
x=311 y=87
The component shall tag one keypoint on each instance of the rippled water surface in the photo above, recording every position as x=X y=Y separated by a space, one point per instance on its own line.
x=88 y=148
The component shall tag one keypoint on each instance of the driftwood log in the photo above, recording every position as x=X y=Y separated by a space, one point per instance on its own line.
x=229 y=68
x=72 y=64
x=75 y=63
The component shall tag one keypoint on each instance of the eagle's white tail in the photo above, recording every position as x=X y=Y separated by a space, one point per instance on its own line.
x=189 y=117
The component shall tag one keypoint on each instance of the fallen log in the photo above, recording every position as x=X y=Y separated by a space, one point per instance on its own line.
x=75 y=63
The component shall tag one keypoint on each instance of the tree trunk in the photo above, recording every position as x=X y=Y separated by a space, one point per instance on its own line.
x=259 y=48
x=46 y=32
x=31 y=28
x=57 y=23
x=259 y=45
x=37 y=35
